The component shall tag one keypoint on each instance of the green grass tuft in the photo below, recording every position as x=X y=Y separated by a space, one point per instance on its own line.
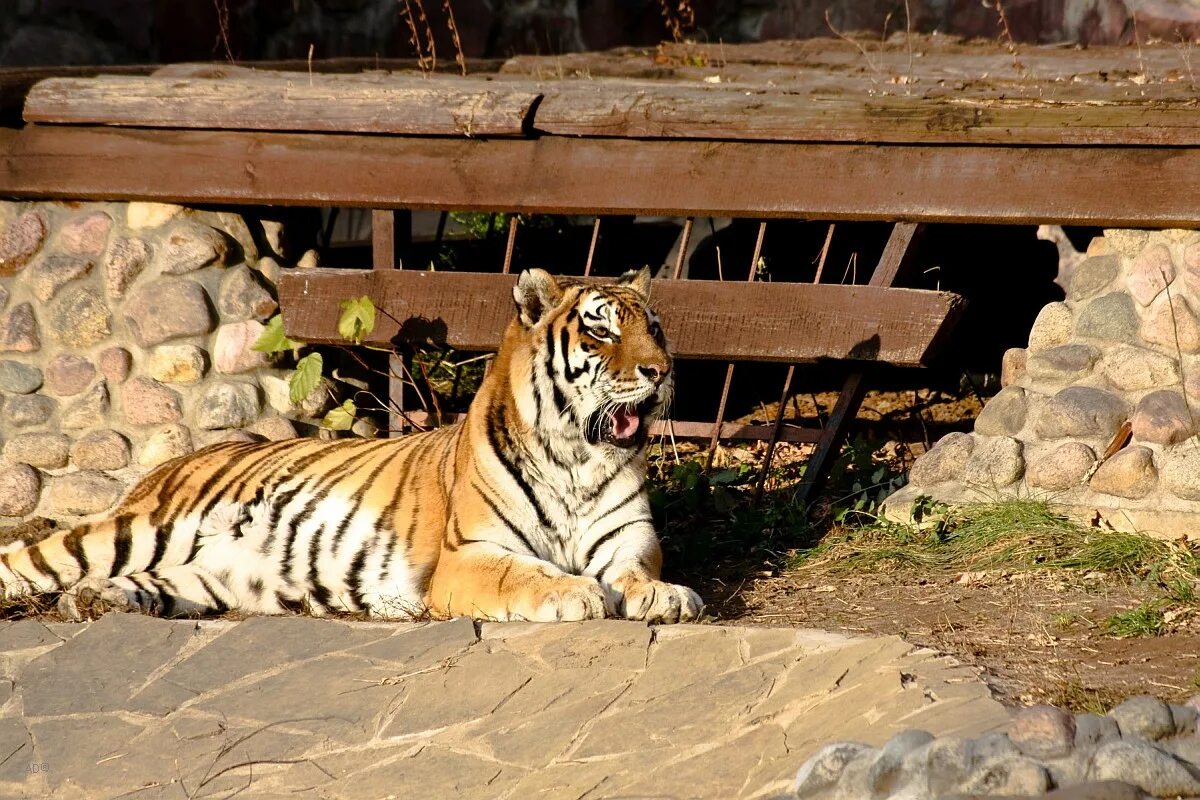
x=1145 y=620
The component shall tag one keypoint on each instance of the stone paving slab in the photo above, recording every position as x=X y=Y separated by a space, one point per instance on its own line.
x=137 y=707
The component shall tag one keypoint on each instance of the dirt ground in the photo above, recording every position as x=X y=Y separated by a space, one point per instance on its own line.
x=1038 y=636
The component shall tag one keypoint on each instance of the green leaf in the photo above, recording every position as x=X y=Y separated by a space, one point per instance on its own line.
x=340 y=418
x=306 y=378
x=724 y=477
x=357 y=319
x=273 y=339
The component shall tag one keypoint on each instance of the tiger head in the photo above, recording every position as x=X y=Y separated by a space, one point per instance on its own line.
x=597 y=353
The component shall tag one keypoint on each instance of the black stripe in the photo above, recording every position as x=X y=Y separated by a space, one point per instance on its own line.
x=354 y=574
x=256 y=587
x=167 y=592
x=161 y=534
x=122 y=543
x=73 y=544
x=596 y=545
x=513 y=472
x=217 y=603
x=41 y=565
x=624 y=501
x=507 y=522
x=569 y=373
x=360 y=495
x=598 y=489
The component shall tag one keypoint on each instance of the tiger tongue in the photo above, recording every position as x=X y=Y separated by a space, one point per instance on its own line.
x=625 y=421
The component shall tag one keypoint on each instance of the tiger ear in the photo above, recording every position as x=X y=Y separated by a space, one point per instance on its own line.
x=535 y=294
x=638 y=280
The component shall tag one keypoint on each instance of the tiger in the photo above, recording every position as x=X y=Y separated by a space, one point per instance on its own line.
x=533 y=507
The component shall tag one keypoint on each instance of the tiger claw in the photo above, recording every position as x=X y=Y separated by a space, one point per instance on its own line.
x=91 y=598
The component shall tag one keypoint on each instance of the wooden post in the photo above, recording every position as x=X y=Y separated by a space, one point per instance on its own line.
x=390 y=232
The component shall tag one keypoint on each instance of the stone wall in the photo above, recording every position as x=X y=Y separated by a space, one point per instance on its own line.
x=125 y=341
x=1114 y=368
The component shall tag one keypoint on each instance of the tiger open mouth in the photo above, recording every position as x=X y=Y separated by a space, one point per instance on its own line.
x=623 y=425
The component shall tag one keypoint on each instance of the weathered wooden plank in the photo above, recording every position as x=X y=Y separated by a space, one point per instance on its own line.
x=749 y=113
x=704 y=319
x=329 y=103
x=1111 y=186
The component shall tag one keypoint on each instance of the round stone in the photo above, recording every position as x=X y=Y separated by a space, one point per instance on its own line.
x=190 y=246
x=1140 y=763
x=1110 y=316
x=243 y=297
x=269 y=269
x=79 y=318
x=69 y=375
x=1163 y=417
x=1043 y=732
x=86 y=235
x=1126 y=241
x=177 y=363
x=168 y=308
x=945 y=462
x=20 y=487
x=1143 y=716
x=1004 y=414
x=126 y=259
x=1093 y=275
x=1008 y=777
x=824 y=768
x=21 y=241
x=149 y=215
x=49 y=274
x=1051 y=328
x=147 y=402
x=115 y=364
x=1173 y=325
x=1079 y=412
x=19 y=330
x=88 y=411
x=995 y=461
x=1064 y=467
x=101 y=450
x=1135 y=368
x=274 y=428
x=227 y=405
x=1012 y=365
x=1181 y=472
x=1183 y=718
x=166 y=443
x=26 y=411
x=1091 y=729
x=81 y=493
x=1129 y=474
x=18 y=378
x=43 y=450
x=1152 y=271
x=1067 y=363
x=233 y=350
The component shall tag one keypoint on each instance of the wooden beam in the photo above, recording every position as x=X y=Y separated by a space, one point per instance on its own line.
x=1018 y=185
x=296 y=102
x=704 y=319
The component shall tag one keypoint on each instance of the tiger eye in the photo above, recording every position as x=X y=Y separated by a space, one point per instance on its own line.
x=599 y=332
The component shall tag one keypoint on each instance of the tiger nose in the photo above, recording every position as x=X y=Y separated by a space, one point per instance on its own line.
x=655 y=372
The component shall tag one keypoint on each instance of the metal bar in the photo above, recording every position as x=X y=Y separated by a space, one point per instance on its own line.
x=1065 y=185
x=712 y=443
x=776 y=432
x=587 y=268
x=897 y=255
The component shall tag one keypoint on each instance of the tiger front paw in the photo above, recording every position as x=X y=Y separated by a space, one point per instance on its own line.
x=571 y=599
x=658 y=601
x=91 y=598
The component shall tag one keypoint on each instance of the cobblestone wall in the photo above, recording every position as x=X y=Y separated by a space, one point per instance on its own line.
x=1117 y=363
x=125 y=341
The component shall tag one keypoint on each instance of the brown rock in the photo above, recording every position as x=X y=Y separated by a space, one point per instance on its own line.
x=80 y=493
x=945 y=462
x=1004 y=414
x=3 y=297
x=1191 y=268
x=1152 y=271
x=79 y=319
x=43 y=450
x=149 y=215
x=1093 y=275
x=996 y=461
x=147 y=402
x=88 y=411
x=69 y=375
x=21 y=241
x=227 y=405
x=1081 y=412
x=86 y=235
x=49 y=274
x=1134 y=368
x=1163 y=417
x=127 y=258
x=177 y=363
x=190 y=246
x=1126 y=241
x=171 y=441
x=101 y=450
x=233 y=350
x=1181 y=472
x=274 y=428
x=115 y=363
x=1129 y=474
x=1051 y=328
x=242 y=297
x=168 y=308
x=20 y=487
x=27 y=411
x=19 y=330
x=19 y=378
x=1173 y=326
x=1067 y=363
x=1065 y=467
x=1013 y=365
x=1043 y=732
